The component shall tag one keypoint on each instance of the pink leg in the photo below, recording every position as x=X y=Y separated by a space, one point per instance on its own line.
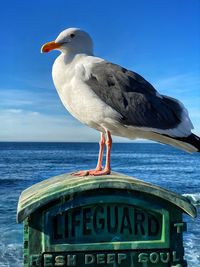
x=107 y=168
x=98 y=171
x=101 y=148
x=99 y=163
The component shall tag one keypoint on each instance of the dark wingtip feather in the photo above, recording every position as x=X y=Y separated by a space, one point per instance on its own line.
x=192 y=139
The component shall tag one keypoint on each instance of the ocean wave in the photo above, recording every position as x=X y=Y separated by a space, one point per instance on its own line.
x=10 y=255
x=8 y=181
x=191 y=244
x=193 y=198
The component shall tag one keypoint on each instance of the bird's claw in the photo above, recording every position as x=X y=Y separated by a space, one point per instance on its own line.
x=102 y=172
x=80 y=173
x=96 y=172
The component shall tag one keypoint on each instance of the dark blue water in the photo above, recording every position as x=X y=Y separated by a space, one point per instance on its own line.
x=24 y=164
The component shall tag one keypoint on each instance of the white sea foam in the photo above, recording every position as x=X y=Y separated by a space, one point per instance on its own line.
x=192 y=250
x=193 y=198
x=10 y=255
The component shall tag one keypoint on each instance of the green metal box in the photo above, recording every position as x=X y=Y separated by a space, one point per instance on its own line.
x=113 y=221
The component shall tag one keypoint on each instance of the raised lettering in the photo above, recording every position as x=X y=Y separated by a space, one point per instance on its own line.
x=59 y=261
x=121 y=257
x=112 y=229
x=104 y=223
x=179 y=227
x=71 y=260
x=86 y=221
x=154 y=257
x=48 y=260
x=174 y=256
x=75 y=220
x=98 y=222
x=164 y=257
x=111 y=258
x=139 y=220
x=126 y=222
x=143 y=257
x=35 y=260
x=89 y=259
x=100 y=258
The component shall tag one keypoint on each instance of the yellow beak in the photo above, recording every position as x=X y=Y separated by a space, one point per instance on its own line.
x=49 y=46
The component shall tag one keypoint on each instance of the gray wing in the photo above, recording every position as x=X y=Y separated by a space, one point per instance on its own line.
x=133 y=97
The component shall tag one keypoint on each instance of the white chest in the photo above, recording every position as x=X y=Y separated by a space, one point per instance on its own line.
x=76 y=96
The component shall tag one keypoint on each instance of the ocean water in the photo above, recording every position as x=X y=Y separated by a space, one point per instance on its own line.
x=24 y=164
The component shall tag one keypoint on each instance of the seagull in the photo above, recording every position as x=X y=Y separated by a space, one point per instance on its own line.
x=114 y=100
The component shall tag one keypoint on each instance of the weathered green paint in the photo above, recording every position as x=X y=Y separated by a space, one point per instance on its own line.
x=112 y=220
x=51 y=189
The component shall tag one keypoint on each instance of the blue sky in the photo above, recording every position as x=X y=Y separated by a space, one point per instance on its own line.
x=159 y=39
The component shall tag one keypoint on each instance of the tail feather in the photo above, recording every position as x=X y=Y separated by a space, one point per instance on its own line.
x=191 y=143
x=192 y=139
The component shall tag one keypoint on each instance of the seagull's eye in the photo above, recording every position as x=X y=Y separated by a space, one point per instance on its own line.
x=72 y=35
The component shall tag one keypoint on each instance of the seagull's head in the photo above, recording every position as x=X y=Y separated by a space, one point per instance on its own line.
x=71 y=40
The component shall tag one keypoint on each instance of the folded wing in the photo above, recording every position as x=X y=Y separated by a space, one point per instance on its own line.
x=139 y=104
